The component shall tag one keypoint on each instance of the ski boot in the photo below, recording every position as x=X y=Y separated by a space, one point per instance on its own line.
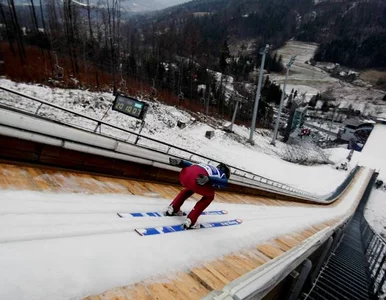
x=188 y=224
x=170 y=212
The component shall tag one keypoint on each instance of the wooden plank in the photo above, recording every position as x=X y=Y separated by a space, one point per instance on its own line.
x=160 y=291
x=244 y=262
x=137 y=292
x=258 y=257
x=157 y=189
x=270 y=250
x=114 y=294
x=92 y=298
x=281 y=245
x=234 y=264
x=318 y=227
x=254 y=258
x=205 y=277
x=217 y=273
x=168 y=192
x=225 y=270
x=178 y=293
x=288 y=240
x=188 y=285
x=308 y=232
x=134 y=189
x=37 y=176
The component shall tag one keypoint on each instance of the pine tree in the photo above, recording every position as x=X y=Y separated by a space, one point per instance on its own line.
x=224 y=54
x=325 y=106
x=313 y=101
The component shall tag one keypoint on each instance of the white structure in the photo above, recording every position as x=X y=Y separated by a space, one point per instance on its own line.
x=350 y=126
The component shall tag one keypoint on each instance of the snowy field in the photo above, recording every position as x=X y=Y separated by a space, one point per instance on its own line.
x=263 y=158
x=373 y=155
x=375 y=212
x=311 y=80
x=67 y=246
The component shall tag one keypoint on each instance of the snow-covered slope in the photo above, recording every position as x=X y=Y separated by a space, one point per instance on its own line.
x=373 y=155
x=263 y=158
x=68 y=246
x=311 y=80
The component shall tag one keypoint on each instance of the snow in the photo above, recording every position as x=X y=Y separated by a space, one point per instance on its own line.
x=312 y=79
x=326 y=125
x=80 y=3
x=68 y=246
x=337 y=155
x=302 y=89
x=227 y=82
x=373 y=155
x=262 y=158
x=375 y=212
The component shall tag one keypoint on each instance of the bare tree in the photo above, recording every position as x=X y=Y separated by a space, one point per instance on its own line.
x=89 y=19
x=7 y=29
x=17 y=30
x=34 y=18
x=113 y=25
x=70 y=30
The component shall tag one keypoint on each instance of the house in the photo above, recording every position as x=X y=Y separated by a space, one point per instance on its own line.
x=351 y=126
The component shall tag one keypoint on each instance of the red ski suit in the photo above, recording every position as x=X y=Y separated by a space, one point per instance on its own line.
x=188 y=177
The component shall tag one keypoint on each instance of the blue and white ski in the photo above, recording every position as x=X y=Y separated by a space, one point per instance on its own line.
x=178 y=228
x=160 y=214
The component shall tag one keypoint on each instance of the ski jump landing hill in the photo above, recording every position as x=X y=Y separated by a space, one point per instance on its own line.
x=74 y=245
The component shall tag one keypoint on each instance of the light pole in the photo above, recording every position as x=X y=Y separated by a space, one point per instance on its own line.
x=234 y=115
x=263 y=52
x=288 y=66
x=332 y=120
x=238 y=99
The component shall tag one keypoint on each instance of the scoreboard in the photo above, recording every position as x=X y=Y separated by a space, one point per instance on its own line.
x=130 y=106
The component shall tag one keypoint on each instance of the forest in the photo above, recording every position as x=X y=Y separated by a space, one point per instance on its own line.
x=172 y=54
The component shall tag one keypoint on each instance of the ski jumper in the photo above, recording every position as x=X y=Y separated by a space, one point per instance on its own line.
x=188 y=177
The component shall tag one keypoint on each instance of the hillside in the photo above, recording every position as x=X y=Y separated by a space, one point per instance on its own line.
x=349 y=32
x=126 y=5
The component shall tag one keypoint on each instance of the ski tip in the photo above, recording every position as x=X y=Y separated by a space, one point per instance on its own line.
x=239 y=221
x=139 y=232
x=119 y=215
x=224 y=211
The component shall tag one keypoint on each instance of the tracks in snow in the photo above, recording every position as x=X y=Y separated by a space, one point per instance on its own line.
x=39 y=216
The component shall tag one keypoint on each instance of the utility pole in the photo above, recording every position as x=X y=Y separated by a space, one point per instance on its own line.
x=207 y=101
x=235 y=112
x=288 y=66
x=263 y=52
x=332 y=120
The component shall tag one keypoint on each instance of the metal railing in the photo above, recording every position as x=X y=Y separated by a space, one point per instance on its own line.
x=340 y=189
x=375 y=250
x=154 y=145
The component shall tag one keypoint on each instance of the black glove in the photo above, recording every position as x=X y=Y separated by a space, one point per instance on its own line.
x=202 y=180
x=175 y=161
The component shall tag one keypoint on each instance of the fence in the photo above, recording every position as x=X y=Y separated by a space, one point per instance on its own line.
x=375 y=251
x=92 y=125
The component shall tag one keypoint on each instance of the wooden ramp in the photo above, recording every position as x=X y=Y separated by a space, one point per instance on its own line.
x=30 y=177
x=194 y=283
